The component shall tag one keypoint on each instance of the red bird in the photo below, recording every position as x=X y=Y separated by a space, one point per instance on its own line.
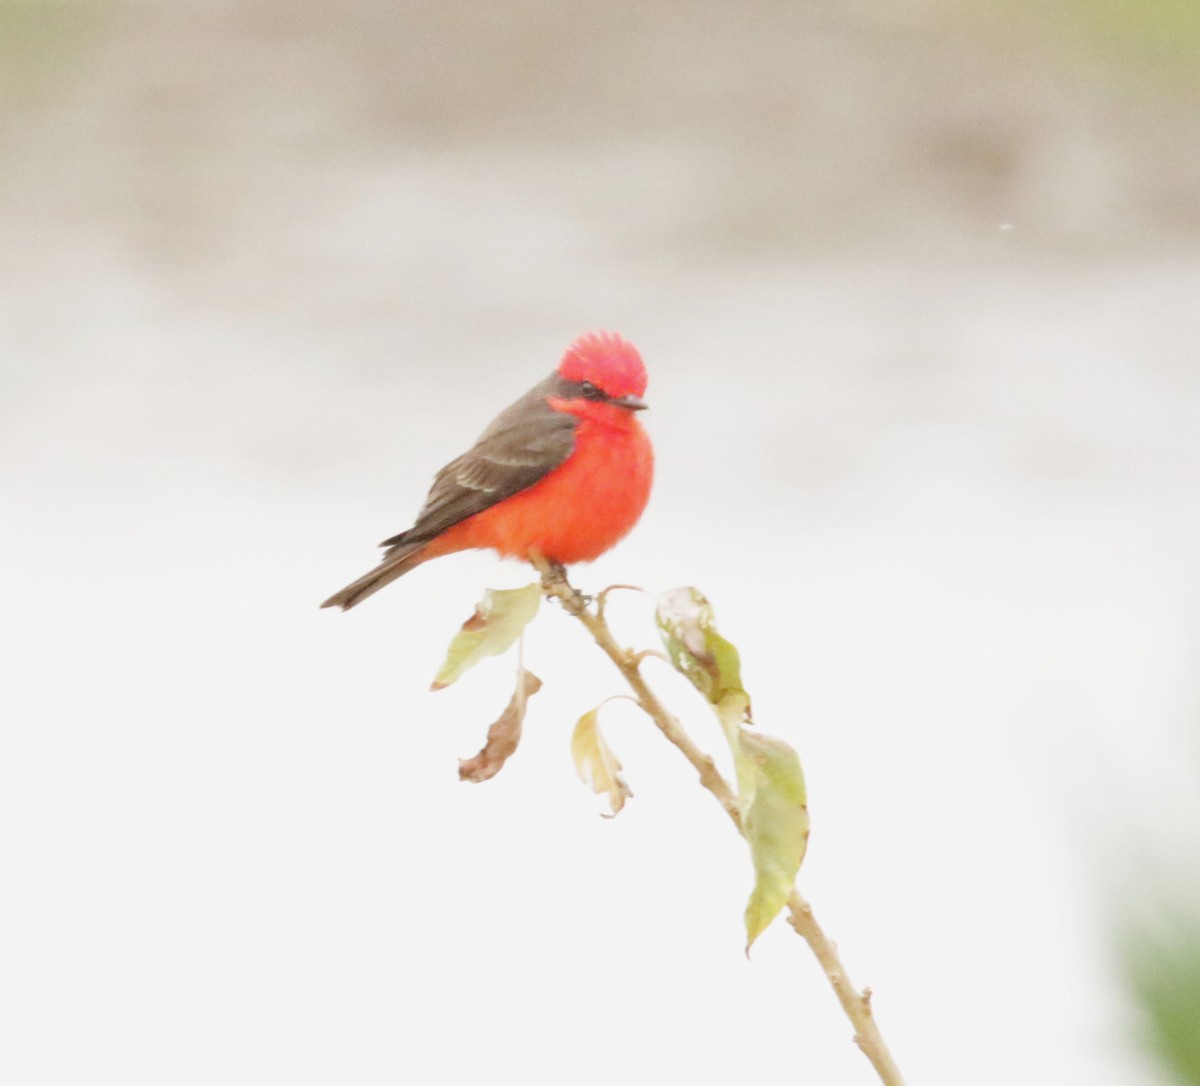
x=564 y=472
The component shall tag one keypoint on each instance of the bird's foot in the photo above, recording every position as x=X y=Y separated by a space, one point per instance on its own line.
x=554 y=581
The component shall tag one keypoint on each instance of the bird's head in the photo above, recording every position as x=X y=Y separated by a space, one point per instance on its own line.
x=601 y=374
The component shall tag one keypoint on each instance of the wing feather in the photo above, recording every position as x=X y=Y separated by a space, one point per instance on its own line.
x=524 y=443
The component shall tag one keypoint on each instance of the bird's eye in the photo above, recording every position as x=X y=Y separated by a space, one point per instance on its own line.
x=591 y=392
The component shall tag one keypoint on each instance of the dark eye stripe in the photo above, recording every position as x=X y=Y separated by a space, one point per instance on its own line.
x=581 y=390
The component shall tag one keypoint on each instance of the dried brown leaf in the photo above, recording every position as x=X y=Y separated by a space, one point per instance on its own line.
x=503 y=736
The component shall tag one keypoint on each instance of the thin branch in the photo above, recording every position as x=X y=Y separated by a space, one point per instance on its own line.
x=555 y=584
x=856 y=1004
x=602 y=599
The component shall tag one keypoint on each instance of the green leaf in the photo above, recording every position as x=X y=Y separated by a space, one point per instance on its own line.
x=503 y=736
x=689 y=633
x=596 y=764
x=775 y=822
x=497 y=622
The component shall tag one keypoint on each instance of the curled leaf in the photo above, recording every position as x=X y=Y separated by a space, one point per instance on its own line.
x=596 y=764
x=497 y=622
x=775 y=822
x=697 y=651
x=503 y=736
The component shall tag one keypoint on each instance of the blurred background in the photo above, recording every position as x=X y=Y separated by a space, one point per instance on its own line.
x=918 y=287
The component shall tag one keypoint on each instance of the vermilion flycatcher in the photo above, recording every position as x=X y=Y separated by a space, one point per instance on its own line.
x=564 y=472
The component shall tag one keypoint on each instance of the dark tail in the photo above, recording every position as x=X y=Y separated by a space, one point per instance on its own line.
x=400 y=559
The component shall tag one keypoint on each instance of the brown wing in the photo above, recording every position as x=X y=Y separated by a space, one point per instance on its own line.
x=524 y=442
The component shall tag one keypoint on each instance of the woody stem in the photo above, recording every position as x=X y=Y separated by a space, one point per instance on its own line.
x=855 y=1003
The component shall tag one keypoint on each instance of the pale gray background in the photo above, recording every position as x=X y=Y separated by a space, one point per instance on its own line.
x=917 y=286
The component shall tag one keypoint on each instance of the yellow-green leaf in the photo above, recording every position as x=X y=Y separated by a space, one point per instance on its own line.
x=503 y=736
x=497 y=622
x=685 y=621
x=596 y=764
x=775 y=822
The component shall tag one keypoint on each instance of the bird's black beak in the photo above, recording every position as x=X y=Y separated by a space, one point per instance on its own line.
x=630 y=403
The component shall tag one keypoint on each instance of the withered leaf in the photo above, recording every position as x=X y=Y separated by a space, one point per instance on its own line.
x=503 y=736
